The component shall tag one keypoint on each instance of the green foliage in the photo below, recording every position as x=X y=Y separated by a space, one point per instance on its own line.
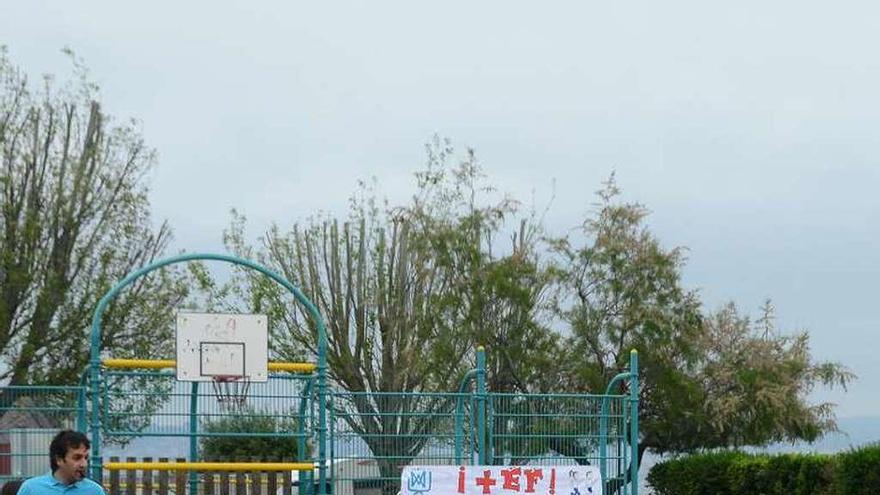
x=248 y=447
x=409 y=290
x=621 y=290
x=737 y=473
x=74 y=220
x=707 y=380
x=858 y=471
x=694 y=475
x=755 y=381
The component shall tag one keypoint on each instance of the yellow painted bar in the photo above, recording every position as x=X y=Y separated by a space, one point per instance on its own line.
x=156 y=364
x=152 y=364
x=294 y=367
x=210 y=466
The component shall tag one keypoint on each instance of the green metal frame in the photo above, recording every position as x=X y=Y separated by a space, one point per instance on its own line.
x=95 y=369
x=464 y=436
x=477 y=375
x=633 y=376
x=485 y=407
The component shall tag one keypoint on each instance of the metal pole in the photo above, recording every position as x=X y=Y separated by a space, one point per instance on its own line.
x=459 y=415
x=603 y=425
x=304 y=476
x=193 y=438
x=634 y=419
x=481 y=404
x=81 y=411
x=95 y=423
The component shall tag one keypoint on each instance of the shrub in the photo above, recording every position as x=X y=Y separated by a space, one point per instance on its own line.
x=737 y=473
x=246 y=447
x=858 y=471
x=701 y=474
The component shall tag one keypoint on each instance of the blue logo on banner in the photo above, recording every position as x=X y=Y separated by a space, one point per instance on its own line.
x=419 y=481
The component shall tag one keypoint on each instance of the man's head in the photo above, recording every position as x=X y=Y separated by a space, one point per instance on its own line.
x=69 y=456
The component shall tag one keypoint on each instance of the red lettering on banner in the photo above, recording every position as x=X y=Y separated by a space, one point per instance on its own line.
x=511 y=478
x=553 y=481
x=461 y=479
x=532 y=478
x=487 y=482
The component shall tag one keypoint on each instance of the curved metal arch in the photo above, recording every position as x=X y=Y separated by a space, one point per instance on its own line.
x=95 y=353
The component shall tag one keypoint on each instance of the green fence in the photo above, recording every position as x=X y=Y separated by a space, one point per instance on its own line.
x=139 y=404
x=373 y=436
x=272 y=421
x=360 y=442
x=98 y=373
x=29 y=417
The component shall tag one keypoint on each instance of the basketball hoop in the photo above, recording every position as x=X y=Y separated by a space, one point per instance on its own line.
x=231 y=391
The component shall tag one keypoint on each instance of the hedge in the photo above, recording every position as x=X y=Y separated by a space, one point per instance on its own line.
x=855 y=472
x=858 y=472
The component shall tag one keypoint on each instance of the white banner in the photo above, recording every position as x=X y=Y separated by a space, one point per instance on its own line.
x=500 y=480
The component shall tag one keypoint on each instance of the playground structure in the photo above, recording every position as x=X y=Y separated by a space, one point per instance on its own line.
x=219 y=379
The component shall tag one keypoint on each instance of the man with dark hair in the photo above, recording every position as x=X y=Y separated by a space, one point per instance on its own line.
x=69 y=458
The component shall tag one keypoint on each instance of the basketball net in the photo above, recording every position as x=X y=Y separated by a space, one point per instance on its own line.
x=231 y=391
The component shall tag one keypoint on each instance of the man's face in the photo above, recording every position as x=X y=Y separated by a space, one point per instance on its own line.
x=72 y=467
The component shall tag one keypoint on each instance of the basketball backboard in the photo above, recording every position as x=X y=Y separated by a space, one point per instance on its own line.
x=211 y=345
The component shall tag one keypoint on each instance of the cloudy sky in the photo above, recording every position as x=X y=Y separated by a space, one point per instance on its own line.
x=749 y=130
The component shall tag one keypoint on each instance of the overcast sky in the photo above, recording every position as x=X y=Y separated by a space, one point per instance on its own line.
x=750 y=129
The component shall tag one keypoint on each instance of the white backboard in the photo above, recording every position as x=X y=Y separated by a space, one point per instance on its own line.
x=212 y=344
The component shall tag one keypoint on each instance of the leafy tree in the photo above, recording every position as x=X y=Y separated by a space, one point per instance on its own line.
x=248 y=447
x=706 y=381
x=407 y=292
x=74 y=219
x=755 y=382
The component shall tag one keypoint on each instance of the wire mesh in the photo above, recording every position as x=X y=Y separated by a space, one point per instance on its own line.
x=560 y=429
x=374 y=435
x=30 y=416
x=265 y=426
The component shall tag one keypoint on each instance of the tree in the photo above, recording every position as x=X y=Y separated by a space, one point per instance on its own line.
x=407 y=293
x=755 y=382
x=706 y=381
x=74 y=219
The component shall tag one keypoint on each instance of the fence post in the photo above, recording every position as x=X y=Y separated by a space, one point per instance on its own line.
x=180 y=480
x=147 y=479
x=256 y=479
x=286 y=482
x=272 y=483
x=208 y=482
x=225 y=483
x=634 y=419
x=603 y=422
x=301 y=446
x=459 y=415
x=130 y=478
x=193 y=436
x=481 y=403
x=81 y=420
x=163 y=478
x=240 y=483
x=114 y=479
